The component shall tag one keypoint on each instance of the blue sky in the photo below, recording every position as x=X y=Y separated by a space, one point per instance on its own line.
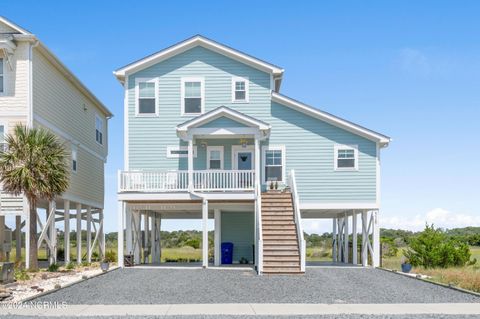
x=408 y=69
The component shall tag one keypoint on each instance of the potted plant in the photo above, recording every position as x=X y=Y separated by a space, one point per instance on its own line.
x=105 y=264
x=271 y=185
x=110 y=257
x=406 y=266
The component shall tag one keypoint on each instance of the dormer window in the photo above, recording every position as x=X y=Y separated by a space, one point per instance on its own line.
x=192 y=96
x=239 y=90
x=146 y=97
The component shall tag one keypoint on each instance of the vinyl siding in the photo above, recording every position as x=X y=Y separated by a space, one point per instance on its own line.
x=56 y=100
x=223 y=122
x=238 y=228
x=149 y=136
x=14 y=100
x=309 y=142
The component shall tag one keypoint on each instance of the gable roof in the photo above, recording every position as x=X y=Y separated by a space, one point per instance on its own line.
x=23 y=34
x=383 y=140
x=192 y=42
x=223 y=111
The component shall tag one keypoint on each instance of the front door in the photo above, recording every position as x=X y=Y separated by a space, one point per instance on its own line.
x=244 y=160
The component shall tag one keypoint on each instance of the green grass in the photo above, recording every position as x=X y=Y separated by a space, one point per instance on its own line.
x=467 y=277
x=183 y=253
x=318 y=254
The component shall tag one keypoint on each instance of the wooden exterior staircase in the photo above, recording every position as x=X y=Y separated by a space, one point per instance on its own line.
x=281 y=254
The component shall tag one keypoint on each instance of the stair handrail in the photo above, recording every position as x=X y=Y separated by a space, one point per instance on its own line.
x=258 y=203
x=298 y=219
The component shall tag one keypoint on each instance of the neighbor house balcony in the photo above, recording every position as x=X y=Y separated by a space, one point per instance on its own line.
x=178 y=181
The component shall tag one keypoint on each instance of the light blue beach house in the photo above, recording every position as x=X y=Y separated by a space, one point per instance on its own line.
x=209 y=135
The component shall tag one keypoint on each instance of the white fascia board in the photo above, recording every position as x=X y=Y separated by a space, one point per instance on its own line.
x=191 y=43
x=223 y=112
x=13 y=26
x=331 y=119
x=184 y=196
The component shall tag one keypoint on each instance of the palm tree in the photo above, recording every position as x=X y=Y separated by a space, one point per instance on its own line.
x=34 y=164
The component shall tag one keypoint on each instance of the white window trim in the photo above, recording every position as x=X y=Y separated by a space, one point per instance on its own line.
x=247 y=90
x=239 y=148
x=266 y=148
x=215 y=148
x=338 y=147
x=182 y=95
x=171 y=148
x=102 y=131
x=4 y=77
x=74 y=158
x=137 y=95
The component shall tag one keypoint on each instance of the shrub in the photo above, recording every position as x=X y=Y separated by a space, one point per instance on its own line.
x=389 y=249
x=70 y=266
x=52 y=268
x=110 y=256
x=433 y=248
x=20 y=274
x=95 y=256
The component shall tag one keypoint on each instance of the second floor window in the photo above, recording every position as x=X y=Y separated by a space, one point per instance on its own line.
x=146 y=90
x=274 y=163
x=192 y=96
x=98 y=129
x=2 y=76
x=239 y=90
x=346 y=157
x=215 y=157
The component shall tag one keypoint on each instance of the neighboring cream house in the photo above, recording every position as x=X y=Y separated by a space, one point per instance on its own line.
x=37 y=90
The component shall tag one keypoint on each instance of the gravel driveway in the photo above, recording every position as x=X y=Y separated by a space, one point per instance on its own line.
x=191 y=286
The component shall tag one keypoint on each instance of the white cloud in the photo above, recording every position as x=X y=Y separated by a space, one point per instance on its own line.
x=414 y=62
x=437 y=216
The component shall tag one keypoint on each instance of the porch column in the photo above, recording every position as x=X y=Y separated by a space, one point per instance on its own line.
x=258 y=210
x=146 y=246
x=137 y=244
x=376 y=239
x=66 y=231
x=156 y=238
x=345 y=243
x=190 y=165
x=121 y=215
x=354 y=238
x=218 y=236
x=101 y=235
x=205 y=233
x=89 y=234
x=364 y=239
x=128 y=228
x=79 y=233
x=53 y=233
x=18 y=238
x=334 y=238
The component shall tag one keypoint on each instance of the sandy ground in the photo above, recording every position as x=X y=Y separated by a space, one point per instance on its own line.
x=43 y=281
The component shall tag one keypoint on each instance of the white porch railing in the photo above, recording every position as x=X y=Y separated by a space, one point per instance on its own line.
x=177 y=181
x=298 y=219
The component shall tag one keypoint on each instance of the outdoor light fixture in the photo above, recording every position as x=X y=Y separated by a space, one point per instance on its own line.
x=244 y=142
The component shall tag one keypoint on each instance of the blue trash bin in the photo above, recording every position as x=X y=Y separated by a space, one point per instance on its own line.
x=227 y=253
